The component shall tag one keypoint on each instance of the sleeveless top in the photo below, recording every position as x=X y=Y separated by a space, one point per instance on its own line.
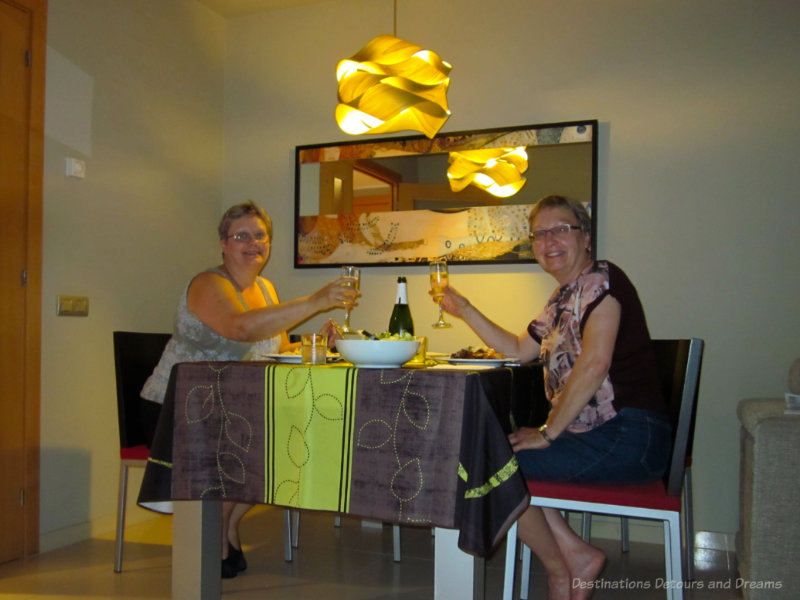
x=194 y=341
x=632 y=379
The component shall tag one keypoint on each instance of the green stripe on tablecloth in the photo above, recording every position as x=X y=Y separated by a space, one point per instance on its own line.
x=503 y=475
x=309 y=436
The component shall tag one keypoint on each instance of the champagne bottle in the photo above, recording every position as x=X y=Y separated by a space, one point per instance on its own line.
x=401 y=321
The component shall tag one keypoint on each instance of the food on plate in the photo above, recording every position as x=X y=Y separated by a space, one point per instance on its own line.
x=478 y=352
x=298 y=351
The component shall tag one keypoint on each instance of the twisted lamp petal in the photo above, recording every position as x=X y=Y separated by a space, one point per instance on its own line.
x=495 y=170
x=391 y=85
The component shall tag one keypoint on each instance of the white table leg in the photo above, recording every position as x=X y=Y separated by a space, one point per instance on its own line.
x=197 y=550
x=457 y=575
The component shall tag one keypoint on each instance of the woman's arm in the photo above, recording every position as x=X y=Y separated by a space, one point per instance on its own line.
x=213 y=300
x=588 y=373
x=522 y=346
x=286 y=345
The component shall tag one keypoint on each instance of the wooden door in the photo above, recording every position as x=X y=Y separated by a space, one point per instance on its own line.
x=21 y=107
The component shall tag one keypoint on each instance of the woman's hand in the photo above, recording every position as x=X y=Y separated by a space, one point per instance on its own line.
x=523 y=347
x=527 y=438
x=336 y=294
x=453 y=302
x=333 y=330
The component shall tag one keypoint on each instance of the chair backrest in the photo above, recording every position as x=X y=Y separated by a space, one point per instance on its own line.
x=679 y=363
x=135 y=356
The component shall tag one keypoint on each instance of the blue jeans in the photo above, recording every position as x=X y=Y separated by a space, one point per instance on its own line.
x=633 y=447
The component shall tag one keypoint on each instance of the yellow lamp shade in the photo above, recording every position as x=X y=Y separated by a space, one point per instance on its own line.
x=391 y=85
x=495 y=170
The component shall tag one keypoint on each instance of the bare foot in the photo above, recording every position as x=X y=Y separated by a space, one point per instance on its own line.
x=558 y=585
x=584 y=570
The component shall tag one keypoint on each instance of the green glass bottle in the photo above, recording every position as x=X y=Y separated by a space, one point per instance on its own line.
x=401 y=321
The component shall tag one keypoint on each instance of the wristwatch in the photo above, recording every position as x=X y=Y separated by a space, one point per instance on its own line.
x=546 y=437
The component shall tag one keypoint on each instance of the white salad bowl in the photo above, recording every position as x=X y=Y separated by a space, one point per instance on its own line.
x=377 y=354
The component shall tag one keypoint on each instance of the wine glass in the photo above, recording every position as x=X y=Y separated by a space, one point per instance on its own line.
x=439 y=277
x=353 y=277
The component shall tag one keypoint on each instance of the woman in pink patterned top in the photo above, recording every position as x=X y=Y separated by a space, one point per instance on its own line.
x=607 y=422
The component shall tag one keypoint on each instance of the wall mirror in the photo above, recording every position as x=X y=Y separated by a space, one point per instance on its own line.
x=389 y=201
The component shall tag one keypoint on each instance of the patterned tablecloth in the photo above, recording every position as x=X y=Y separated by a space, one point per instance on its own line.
x=407 y=446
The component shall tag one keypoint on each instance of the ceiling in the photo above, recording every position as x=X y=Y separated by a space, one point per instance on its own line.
x=237 y=8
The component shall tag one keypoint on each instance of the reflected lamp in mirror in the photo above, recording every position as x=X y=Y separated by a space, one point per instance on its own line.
x=389 y=201
x=496 y=170
x=391 y=85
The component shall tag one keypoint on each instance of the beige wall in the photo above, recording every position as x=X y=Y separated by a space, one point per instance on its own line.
x=698 y=182
x=134 y=88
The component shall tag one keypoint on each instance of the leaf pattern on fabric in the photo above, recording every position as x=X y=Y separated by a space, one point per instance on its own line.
x=401 y=412
x=329 y=407
x=213 y=492
x=416 y=410
x=238 y=431
x=199 y=403
x=407 y=482
x=297 y=447
x=231 y=466
x=310 y=435
x=374 y=434
x=205 y=407
x=287 y=492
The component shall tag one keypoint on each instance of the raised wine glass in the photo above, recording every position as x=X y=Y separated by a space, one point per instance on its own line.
x=439 y=278
x=353 y=277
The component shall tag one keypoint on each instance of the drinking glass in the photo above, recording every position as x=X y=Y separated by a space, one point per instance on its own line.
x=353 y=276
x=314 y=348
x=439 y=278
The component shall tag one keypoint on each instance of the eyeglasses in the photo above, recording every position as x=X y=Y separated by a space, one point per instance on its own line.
x=558 y=232
x=246 y=237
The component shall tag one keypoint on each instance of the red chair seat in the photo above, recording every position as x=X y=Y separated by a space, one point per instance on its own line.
x=139 y=452
x=645 y=495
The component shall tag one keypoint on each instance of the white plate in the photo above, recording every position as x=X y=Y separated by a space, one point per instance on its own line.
x=389 y=366
x=495 y=362
x=293 y=359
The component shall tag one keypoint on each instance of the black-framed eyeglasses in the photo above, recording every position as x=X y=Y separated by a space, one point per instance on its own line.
x=245 y=237
x=558 y=232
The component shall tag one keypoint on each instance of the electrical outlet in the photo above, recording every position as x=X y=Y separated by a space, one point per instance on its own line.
x=72 y=306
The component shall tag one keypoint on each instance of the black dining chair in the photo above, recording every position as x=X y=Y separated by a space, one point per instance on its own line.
x=135 y=356
x=666 y=351
x=679 y=363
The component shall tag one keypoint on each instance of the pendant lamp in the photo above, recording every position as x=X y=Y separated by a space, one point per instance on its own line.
x=498 y=171
x=392 y=85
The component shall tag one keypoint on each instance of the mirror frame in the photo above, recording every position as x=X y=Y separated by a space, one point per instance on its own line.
x=310 y=230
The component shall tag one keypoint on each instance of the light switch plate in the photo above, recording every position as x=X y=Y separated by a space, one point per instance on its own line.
x=76 y=168
x=72 y=306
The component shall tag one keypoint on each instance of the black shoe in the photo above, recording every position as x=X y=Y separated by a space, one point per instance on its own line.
x=237 y=558
x=229 y=570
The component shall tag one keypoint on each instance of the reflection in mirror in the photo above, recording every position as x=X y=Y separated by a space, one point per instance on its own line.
x=389 y=201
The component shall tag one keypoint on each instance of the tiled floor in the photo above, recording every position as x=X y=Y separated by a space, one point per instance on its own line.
x=353 y=562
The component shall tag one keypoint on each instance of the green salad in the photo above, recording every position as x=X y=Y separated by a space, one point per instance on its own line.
x=396 y=337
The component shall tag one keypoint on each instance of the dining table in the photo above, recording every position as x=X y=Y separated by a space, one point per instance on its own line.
x=408 y=446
